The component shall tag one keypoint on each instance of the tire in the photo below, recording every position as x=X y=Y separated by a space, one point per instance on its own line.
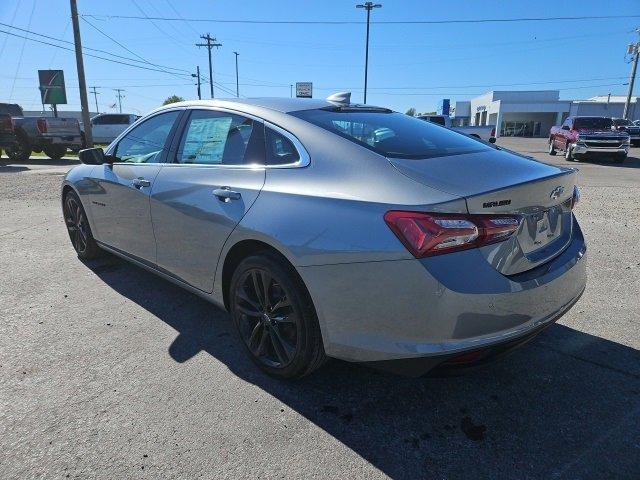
x=279 y=330
x=55 y=152
x=568 y=154
x=552 y=149
x=78 y=228
x=19 y=152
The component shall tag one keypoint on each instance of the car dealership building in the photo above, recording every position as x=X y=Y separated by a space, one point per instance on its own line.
x=533 y=113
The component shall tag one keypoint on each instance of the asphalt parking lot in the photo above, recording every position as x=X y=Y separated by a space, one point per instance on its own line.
x=109 y=372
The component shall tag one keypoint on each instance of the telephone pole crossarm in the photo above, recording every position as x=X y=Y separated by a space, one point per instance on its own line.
x=211 y=42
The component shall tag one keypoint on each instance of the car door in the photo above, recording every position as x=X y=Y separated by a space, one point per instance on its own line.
x=120 y=205
x=216 y=175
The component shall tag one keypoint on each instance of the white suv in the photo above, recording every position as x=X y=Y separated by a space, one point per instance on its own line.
x=105 y=127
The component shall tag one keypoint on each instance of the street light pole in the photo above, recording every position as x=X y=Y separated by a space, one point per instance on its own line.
x=368 y=6
x=197 y=74
x=634 y=49
x=237 y=84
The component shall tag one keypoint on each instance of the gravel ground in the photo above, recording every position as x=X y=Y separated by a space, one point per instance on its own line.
x=109 y=372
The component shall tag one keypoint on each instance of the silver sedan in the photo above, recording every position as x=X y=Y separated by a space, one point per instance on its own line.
x=330 y=229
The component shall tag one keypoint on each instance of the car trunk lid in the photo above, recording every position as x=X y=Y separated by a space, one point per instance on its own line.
x=501 y=182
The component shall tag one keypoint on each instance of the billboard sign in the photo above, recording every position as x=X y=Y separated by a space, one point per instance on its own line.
x=52 y=90
x=304 y=89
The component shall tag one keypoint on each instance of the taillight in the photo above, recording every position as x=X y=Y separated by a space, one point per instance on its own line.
x=493 y=132
x=427 y=234
x=574 y=199
x=42 y=125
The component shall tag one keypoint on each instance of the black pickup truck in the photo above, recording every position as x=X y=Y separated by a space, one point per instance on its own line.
x=20 y=135
x=623 y=125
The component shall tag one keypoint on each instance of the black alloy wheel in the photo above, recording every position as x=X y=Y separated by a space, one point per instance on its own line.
x=78 y=228
x=274 y=317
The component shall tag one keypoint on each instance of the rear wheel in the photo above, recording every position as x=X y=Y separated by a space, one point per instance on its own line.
x=55 y=152
x=274 y=317
x=78 y=228
x=552 y=149
x=20 y=152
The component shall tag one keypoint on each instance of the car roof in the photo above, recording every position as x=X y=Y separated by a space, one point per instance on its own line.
x=279 y=104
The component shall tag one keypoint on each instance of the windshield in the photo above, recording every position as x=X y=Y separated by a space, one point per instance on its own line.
x=619 y=122
x=592 y=123
x=393 y=134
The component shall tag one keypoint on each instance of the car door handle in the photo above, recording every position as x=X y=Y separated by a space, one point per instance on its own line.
x=141 y=182
x=225 y=194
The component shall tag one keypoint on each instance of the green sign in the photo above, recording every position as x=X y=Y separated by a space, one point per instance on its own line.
x=51 y=87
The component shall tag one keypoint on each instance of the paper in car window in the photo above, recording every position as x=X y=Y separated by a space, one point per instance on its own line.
x=205 y=140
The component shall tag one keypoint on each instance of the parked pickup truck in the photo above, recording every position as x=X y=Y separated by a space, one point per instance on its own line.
x=624 y=125
x=8 y=137
x=581 y=137
x=486 y=133
x=39 y=134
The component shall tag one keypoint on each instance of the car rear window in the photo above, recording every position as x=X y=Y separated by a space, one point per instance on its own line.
x=592 y=123
x=392 y=134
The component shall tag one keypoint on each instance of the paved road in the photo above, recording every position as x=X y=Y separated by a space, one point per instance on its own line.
x=109 y=372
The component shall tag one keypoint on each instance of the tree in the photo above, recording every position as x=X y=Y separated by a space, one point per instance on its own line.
x=411 y=112
x=173 y=99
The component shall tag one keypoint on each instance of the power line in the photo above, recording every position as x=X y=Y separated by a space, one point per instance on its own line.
x=33 y=8
x=88 y=54
x=381 y=22
x=86 y=48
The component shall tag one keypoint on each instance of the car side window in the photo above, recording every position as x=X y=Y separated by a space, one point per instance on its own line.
x=217 y=138
x=280 y=150
x=146 y=142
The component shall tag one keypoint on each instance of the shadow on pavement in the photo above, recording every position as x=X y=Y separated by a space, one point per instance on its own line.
x=567 y=405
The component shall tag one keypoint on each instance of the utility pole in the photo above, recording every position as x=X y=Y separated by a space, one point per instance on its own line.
x=291 y=90
x=197 y=75
x=84 y=103
x=95 y=95
x=211 y=42
x=119 y=92
x=634 y=50
x=368 y=6
x=237 y=84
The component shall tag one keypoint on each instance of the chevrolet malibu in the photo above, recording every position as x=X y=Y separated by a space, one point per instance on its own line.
x=331 y=229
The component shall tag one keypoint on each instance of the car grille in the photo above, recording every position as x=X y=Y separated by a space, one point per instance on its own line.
x=611 y=142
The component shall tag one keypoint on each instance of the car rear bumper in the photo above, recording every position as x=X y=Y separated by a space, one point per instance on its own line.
x=69 y=140
x=439 y=307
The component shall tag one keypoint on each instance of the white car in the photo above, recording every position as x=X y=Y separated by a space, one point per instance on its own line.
x=483 y=132
x=105 y=127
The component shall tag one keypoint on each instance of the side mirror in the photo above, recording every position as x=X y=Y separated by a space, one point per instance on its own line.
x=565 y=127
x=95 y=156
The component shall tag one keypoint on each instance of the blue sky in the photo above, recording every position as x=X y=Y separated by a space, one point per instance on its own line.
x=409 y=65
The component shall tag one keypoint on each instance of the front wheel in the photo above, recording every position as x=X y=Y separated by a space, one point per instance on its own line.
x=78 y=228
x=274 y=317
x=55 y=152
x=568 y=153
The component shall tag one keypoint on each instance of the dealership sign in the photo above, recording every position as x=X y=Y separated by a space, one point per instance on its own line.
x=304 y=89
x=52 y=90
